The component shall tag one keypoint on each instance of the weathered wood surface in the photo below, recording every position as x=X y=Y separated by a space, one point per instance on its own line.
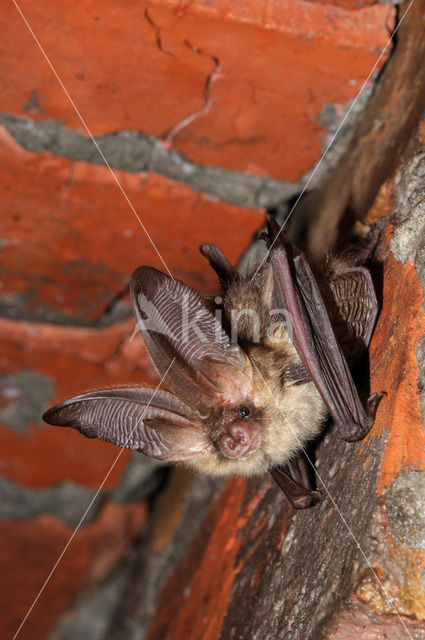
x=379 y=138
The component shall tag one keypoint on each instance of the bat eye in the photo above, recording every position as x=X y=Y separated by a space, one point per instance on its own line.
x=244 y=412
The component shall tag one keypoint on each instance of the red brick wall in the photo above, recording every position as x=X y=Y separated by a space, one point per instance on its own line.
x=208 y=112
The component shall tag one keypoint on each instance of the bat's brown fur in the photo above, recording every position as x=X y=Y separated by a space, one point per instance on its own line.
x=286 y=409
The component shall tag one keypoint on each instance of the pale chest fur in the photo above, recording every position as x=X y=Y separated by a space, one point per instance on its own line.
x=289 y=413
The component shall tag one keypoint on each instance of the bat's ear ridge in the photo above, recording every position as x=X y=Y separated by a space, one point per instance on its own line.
x=152 y=421
x=151 y=398
x=150 y=277
x=186 y=341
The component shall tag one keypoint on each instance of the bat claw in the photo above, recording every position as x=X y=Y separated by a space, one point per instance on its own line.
x=352 y=432
x=373 y=403
x=306 y=500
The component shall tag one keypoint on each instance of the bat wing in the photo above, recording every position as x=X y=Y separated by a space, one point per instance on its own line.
x=152 y=421
x=312 y=333
x=187 y=343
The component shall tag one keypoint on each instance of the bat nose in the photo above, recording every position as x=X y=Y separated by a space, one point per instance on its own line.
x=238 y=441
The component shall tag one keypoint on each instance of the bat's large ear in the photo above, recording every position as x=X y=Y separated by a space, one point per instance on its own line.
x=149 y=420
x=187 y=343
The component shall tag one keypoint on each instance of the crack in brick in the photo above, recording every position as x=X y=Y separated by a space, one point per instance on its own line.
x=208 y=101
x=157 y=30
x=115 y=310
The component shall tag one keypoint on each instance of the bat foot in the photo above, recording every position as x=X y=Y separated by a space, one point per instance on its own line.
x=298 y=495
x=308 y=499
x=352 y=432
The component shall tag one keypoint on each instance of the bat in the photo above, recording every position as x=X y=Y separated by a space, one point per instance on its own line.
x=250 y=376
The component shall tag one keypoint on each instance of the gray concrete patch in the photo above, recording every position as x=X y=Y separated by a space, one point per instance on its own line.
x=408 y=240
x=23 y=399
x=136 y=152
x=67 y=501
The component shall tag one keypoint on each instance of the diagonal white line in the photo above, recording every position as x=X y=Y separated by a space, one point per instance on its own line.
x=387 y=597
x=83 y=122
x=334 y=136
x=91 y=503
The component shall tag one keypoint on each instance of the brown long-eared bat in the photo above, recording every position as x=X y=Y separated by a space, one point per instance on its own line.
x=248 y=382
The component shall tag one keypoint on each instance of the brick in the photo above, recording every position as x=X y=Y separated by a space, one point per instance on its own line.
x=249 y=80
x=70 y=241
x=353 y=5
x=74 y=360
x=397 y=369
x=34 y=546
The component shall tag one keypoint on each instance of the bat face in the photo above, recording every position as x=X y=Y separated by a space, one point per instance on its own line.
x=255 y=437
x=246 y=389
x=281 y=411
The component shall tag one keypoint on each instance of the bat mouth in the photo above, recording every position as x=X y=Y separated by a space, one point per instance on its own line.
x=238 y=442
